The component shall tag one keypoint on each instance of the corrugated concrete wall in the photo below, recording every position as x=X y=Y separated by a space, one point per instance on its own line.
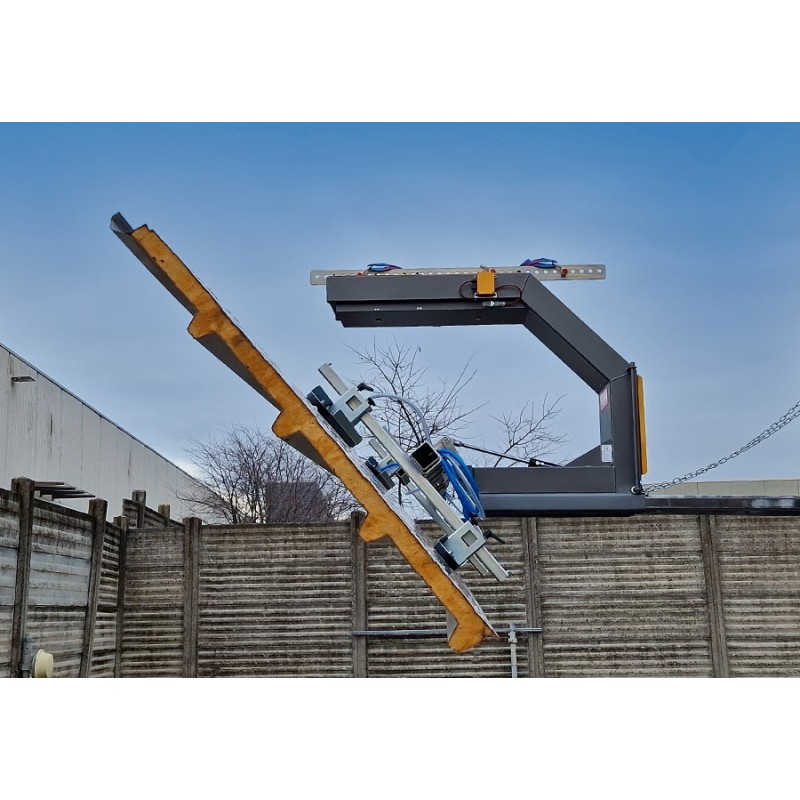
x=640 y=596
x=103 y=662
x=652 y=595
x=59 y=584
x=269 y=607
x=760 y=574
x=238 y=601
x=623 y=597
x=140 y=515
x=152 y=634
x=61 y=555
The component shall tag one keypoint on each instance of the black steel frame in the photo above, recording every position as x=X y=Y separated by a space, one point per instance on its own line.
x=606 y=480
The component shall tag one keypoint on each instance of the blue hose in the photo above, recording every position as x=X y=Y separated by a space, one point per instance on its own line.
x=463 y=484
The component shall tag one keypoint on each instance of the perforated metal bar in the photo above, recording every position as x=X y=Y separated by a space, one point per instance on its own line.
x=570 y=272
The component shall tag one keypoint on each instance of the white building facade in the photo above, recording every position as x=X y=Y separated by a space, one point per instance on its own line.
x=50 y=435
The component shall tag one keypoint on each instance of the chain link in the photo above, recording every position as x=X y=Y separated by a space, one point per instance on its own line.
x=791 y=414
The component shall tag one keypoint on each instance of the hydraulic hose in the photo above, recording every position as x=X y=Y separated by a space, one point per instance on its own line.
x=413 y=406
x=463 y=484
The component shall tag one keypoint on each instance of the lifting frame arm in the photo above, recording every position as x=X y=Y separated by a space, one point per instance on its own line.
x=606 y=479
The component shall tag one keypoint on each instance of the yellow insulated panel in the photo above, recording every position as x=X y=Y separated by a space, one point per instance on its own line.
x=299 y=425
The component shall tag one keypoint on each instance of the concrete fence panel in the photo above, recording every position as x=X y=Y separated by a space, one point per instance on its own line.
x=671 y=595
x=275 y=600
x=61 y=553
x=152 y=635
x=760 y=567
x=623 y=596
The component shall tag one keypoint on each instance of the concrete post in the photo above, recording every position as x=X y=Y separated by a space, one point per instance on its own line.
x=165 y=512
x=533 y=595
x=97 y=511
x=23 y=487
x=359 y=579
x=139 y=496
x=192 y=528
x=713 y=581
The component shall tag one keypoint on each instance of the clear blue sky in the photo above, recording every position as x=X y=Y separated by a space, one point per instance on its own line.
x=697 y=225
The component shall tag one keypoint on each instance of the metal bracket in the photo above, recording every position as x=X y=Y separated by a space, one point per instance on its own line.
x=463 y=541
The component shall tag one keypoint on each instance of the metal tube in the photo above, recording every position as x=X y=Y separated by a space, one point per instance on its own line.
x=512 y=642
x=424 y=633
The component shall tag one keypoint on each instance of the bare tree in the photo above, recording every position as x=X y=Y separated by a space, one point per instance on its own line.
x=394 y=369
x=249 y=475
x=528 y=434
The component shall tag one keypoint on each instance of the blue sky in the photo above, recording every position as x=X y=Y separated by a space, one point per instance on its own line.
x=695 y=222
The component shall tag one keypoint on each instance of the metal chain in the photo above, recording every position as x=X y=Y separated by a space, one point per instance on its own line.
x=791 y=414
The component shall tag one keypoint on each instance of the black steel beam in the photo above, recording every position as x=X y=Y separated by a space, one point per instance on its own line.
x=517 y=480
x=566 y=504
x=744 y=506
x=446 y=300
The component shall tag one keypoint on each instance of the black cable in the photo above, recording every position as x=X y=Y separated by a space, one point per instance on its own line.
x=461 y=290
x=529 y=461
x=511 y=286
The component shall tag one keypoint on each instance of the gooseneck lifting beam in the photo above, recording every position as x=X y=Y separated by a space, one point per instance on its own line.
x=606 y=480
x=299 y=424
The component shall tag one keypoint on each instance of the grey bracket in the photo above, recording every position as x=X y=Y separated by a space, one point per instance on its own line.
x=606 y=480
x=463 y=541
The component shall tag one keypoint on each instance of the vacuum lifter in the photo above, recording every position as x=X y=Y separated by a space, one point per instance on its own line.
x=328 y=428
